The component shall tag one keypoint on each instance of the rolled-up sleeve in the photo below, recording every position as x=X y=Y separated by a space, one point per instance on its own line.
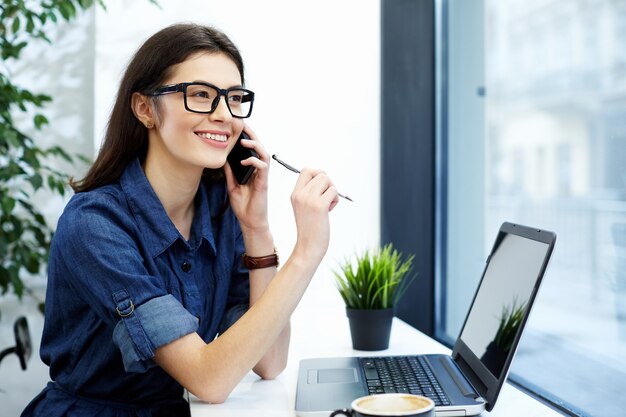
x=155 y=323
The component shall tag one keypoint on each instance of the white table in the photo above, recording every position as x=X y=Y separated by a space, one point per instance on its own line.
x=324 y=332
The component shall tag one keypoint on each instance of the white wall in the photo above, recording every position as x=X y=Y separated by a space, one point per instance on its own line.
x=326 y=51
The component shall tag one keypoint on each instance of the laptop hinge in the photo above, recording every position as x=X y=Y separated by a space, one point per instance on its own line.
x=470 y=375
x=466 y=389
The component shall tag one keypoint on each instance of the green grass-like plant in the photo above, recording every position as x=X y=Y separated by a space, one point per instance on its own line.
x=379 y=281
x=510 y=320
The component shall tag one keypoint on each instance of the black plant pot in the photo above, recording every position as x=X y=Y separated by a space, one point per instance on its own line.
x=370 y=329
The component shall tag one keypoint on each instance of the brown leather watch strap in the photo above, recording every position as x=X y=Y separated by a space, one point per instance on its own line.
x=258 y=262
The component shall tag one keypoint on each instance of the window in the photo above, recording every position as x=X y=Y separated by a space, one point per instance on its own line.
x=533 y=131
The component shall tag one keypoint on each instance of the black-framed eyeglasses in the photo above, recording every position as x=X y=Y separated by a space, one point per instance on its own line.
x=204 y=97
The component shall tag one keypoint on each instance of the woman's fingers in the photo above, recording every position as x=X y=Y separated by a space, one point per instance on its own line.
x=312 y=182
x=315 y=186
x=260 y=162
x=256 y=144
x=334 y=201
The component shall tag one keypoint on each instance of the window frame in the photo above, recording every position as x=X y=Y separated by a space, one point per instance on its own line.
x=408 y=148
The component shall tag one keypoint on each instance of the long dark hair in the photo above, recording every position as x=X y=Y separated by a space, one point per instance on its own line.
x=126 y=137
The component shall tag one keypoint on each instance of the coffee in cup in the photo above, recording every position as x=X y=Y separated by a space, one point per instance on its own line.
x=389 y=405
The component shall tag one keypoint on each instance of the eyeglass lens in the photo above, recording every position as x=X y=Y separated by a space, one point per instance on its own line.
x=203 y=98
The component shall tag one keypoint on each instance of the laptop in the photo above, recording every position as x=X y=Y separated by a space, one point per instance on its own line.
x=469 y=380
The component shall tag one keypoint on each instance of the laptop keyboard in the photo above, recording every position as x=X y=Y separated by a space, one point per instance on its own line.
x=404 y=374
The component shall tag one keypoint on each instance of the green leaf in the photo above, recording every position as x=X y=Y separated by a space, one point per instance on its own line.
x=30 y=24
x=4 y=247
x=30 y=157
x=11 y=10
x=85 y=4
x=8 y=204
x=40 y=236
x=15 y=27
x=18 y=285
x=40 y=99
x=18 y=228
x=67 y=10
x=32 y=264
x=40 y=219
x=84 y=159
x=40 y=120
x=5 y=279
x=12 y=138
x=58 y=151
x=36 y=181
x=61 y=188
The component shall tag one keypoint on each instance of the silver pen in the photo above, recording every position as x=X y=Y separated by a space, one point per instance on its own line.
x=297 y=171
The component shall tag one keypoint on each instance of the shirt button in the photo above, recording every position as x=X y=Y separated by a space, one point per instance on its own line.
x=186 y=266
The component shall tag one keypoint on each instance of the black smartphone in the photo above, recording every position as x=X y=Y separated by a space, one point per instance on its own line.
x=238 y=154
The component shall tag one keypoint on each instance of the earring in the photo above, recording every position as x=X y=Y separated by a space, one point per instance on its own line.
x=149 y=124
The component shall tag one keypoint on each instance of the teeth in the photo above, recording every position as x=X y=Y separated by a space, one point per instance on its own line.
x=219 y=138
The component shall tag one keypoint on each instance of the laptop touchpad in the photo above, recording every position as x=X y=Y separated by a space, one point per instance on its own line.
x=334 y=376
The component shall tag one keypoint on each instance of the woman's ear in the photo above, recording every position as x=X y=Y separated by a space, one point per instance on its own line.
x=143 y=109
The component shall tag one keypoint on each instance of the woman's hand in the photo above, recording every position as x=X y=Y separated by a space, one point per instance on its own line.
x=249 y=202
x=313 y=197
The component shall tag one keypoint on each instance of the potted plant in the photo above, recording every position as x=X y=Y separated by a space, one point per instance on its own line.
x=371 y=291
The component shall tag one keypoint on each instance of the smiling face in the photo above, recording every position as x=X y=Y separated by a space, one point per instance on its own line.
x=184 y=140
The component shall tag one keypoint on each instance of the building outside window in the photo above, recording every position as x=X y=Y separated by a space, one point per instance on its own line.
x=534 y=132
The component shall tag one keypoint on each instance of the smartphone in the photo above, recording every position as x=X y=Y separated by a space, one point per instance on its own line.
x=238 y=154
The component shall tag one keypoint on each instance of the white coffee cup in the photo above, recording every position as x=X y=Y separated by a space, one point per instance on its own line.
x=389 y=405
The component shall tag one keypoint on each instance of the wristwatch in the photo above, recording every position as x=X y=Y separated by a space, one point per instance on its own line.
x=258 y=262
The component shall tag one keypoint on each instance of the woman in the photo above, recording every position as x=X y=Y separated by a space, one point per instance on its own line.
x=146 y=267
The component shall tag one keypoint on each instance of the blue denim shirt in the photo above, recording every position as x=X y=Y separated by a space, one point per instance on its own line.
x=122 y=282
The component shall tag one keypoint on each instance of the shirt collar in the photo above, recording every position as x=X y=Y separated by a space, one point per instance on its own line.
x=157 y=229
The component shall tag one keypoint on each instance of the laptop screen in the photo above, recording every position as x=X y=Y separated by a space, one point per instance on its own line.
x=499 y=308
